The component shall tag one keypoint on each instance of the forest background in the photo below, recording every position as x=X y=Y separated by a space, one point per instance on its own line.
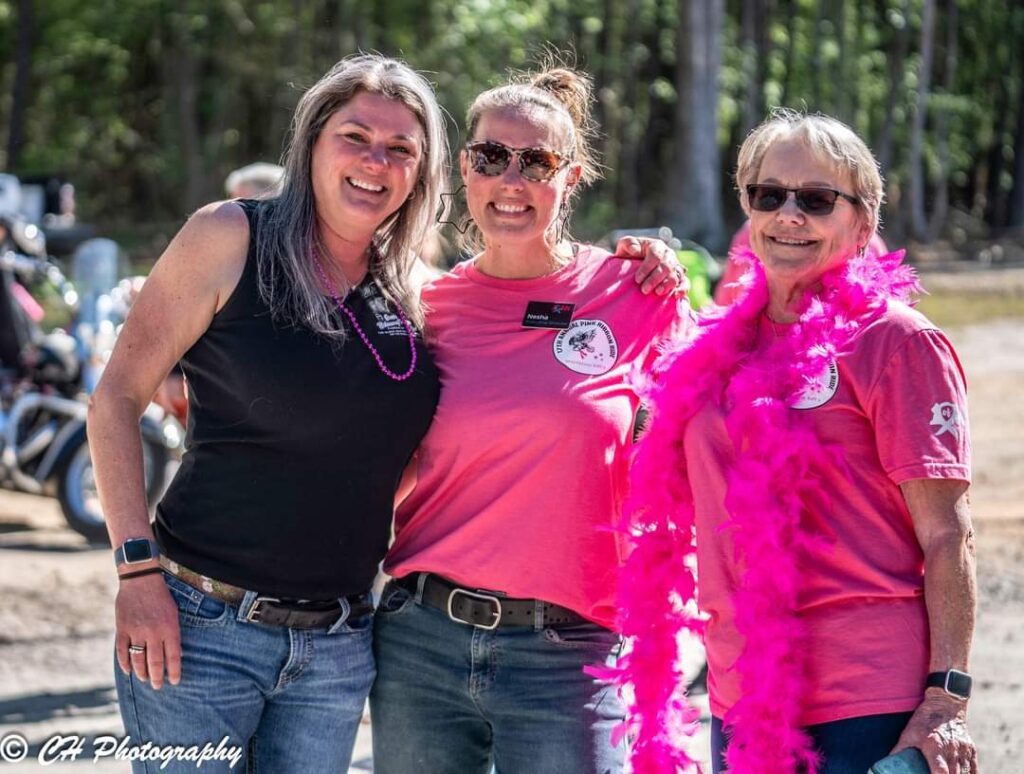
x=146 y=105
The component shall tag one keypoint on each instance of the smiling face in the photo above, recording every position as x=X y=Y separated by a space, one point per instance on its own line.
x=508 y=208
x=364 y=164
x=795 y=247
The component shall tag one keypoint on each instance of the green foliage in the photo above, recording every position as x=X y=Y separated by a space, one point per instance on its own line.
x=147 y=104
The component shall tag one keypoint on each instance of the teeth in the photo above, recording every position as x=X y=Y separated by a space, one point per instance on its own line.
x=798 y=242
x=365 y=186
x=513 y=208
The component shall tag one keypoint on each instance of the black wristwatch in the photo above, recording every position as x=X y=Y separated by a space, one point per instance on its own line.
x=136 y=551
x=952 y=681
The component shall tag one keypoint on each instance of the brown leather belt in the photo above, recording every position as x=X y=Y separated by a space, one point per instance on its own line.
x=272 y=611
x=487 y=609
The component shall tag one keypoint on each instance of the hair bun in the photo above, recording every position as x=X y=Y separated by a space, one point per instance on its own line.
x=573 y=89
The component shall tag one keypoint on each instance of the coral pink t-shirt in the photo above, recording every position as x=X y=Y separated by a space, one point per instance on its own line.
x=524 y=469
x=896 y=405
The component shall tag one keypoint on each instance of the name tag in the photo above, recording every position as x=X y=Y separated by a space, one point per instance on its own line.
x=544 y=314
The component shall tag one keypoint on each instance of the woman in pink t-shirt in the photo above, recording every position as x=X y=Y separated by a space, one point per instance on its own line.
x=504 y=559
x=814 y=435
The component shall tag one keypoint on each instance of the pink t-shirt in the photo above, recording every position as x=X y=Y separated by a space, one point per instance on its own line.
x=524 y=468
x=898 y=410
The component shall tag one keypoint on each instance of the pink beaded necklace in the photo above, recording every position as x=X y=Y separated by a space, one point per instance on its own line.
x=366 y=340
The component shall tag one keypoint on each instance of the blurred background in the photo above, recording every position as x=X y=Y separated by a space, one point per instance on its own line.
x=144 y=106
x=118 y=118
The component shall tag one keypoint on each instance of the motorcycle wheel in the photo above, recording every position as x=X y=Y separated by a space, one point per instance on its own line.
x=77 y=493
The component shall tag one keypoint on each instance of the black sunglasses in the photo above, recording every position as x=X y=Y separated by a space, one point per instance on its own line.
x=813 y=201
x=492 y=158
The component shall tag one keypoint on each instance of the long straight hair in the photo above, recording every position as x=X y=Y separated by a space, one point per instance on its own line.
x=288 y=237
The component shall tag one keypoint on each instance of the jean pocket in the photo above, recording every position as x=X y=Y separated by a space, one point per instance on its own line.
x=584 y=635
x=194 y=607
x=356 y=625
x=394 y=599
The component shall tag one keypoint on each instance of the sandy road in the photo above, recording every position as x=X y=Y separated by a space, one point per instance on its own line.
x=56 y=614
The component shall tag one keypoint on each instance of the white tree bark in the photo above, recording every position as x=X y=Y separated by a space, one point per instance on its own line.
x=693 y=197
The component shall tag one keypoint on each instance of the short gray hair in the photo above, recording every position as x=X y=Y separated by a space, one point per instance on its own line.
x=288 y=236
x=830 y=139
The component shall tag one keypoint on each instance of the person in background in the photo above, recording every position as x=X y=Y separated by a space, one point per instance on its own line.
x=254 y=181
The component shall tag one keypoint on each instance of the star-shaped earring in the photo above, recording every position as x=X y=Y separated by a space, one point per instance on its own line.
x=447 y=200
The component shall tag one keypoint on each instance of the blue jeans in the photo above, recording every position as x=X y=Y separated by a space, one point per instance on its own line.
x=292 y=699
x=847 y=746
x=454 y=699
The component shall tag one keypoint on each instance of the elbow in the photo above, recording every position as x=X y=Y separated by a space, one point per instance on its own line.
x=957 y=540
x=108 y=402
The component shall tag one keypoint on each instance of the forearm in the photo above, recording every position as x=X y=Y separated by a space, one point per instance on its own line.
x=950 y=593
x=116 y=448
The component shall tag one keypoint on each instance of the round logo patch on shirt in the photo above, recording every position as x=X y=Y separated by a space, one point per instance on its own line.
x=586 y=347
x=819 y=391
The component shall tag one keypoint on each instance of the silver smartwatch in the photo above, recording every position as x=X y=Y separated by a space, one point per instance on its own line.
x=136 y=551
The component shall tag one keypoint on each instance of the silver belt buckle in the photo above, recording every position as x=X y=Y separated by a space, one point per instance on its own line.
x=475 y=595
x=253 y=616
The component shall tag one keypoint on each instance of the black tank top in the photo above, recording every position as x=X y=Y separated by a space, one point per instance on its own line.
x=295 y=445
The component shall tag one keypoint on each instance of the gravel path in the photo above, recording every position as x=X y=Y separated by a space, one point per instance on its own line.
x=56 y=618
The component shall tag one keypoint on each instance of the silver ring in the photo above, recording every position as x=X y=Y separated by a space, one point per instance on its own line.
x=136 y=649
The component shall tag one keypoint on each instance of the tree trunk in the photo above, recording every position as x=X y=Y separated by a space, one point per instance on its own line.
x=792 y=13
x=1015 y=215
x=840 y=84
x=627 y=195
x=184 y=82
x=918 y=219
x=22 y=74
x=853 y=73
x=751 y=75
x=694 y=206
x=653 y=142
x=816 y=57
x=941 y=210
x=898 y=46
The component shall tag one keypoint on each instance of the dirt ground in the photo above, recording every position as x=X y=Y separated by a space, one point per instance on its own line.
x=56 y=593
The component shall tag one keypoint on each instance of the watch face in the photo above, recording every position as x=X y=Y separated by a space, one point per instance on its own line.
x=137 y=551
x=958 y=683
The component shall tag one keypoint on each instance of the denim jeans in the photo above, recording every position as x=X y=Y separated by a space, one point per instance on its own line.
x=292 y=699
x=847 y=746
x=454 y=699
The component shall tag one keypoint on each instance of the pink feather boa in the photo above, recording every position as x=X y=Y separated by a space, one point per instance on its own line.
x=772 y=488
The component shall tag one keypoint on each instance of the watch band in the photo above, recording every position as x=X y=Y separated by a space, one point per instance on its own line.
x=952 y=681
x=136 y=550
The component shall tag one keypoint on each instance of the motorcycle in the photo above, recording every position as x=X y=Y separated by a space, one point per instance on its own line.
x=45 y=380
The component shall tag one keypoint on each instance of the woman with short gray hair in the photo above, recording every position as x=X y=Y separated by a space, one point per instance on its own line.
x=814 y=439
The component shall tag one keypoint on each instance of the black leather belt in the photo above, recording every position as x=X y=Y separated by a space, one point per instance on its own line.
x=487 y=609
x=272 y=611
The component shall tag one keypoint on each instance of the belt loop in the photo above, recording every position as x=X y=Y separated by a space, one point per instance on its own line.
x=421 y=581
x=246 y=605
x=346 y=611
x=538 y=615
